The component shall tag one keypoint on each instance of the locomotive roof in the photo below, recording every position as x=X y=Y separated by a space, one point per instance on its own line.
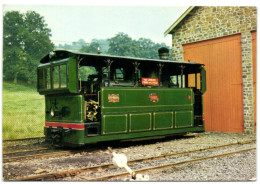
x=62 y=54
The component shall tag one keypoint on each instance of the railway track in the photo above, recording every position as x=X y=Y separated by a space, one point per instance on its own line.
x=88 y=172
x=27 y=148
x=22 y=151
x=37 y=155
x=6 y=153
x=42 y=152
x=23 y=139
x=14 y=143
x=105 y=178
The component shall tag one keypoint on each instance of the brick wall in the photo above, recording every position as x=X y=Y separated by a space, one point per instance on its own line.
x=204 y=23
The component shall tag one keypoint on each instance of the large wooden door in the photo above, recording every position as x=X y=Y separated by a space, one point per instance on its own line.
x=223 y=101
x=254 y=71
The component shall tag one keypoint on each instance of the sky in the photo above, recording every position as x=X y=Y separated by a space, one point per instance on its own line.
x=69 y=23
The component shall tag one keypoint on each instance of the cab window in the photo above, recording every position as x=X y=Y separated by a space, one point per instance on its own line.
x=175 y=81
x=119 y=74
x=44 y=78
x=47 y=78
x=86 y=71
x=55 y=75
x=59 y=76
x=194 y=80
x=63 y=76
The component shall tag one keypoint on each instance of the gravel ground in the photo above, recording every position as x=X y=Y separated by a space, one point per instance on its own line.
x=221 y=169
x=239 y=167
x=163 y=174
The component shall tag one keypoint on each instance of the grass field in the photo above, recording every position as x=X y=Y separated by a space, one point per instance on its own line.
x=23 y=111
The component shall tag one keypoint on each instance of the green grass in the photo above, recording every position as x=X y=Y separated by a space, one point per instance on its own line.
x=23 y=111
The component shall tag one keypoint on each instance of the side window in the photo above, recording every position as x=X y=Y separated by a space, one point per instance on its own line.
x=63 y=76
x=59 y=76
x=47 y=83
x=104 y=72
x=44 y=78
x=86 y=71
x=198 y=81
x=194 y=80
x=175 y=81
x=55 y=76
x=120 y=74
x=41 y=78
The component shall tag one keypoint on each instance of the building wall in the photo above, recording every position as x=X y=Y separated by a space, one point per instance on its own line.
x=204 y=23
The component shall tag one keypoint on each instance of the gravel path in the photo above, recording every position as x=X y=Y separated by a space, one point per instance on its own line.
x=240 y=167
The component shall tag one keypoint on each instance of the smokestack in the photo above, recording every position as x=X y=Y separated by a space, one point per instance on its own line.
x=163 y=53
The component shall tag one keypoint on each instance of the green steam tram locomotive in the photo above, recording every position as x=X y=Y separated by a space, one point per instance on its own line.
x=93 y=98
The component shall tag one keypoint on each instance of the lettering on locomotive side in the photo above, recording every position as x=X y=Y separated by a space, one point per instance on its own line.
x=154 y=97
x=150 y=81
x=113 y=98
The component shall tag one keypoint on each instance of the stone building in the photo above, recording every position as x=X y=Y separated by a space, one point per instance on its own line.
x=224 y=39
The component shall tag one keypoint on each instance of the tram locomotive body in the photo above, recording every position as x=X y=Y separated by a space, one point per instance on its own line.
x=92 y=98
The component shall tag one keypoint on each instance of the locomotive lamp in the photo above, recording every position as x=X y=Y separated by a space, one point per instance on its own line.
x=54 y=112
x=51 y=54
x=98 y=50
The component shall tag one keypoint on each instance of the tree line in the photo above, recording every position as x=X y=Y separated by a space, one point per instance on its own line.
x=120 y=45
x=27 y=38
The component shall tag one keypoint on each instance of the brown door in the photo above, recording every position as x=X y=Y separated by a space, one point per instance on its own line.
x=223 y=100
x=254 y=71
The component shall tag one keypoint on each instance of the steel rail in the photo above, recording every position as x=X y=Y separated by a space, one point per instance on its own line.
x=23 y=139
x=55 y=153
x=60 y=153
x=23 y=151
x=63 y=174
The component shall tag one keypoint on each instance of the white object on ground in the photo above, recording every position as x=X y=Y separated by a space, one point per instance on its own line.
x=120 y=160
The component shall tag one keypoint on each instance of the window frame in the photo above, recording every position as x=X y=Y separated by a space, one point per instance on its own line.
x=59 y=77
x=44 y=79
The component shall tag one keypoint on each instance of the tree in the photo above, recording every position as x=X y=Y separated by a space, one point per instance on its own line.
x=75 y=46
x=148 y=48
x=26 y=41
x=90 y=48
x=123 y=45
x=37 y=42
x=103 y=44
x=13 y=53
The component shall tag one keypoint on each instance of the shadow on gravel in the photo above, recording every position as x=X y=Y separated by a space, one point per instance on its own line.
x=128 y=143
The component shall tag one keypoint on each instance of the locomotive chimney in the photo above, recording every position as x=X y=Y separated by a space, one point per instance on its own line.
x=163 y=53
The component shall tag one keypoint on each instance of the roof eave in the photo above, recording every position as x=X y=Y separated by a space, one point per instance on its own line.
x=170 y=29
